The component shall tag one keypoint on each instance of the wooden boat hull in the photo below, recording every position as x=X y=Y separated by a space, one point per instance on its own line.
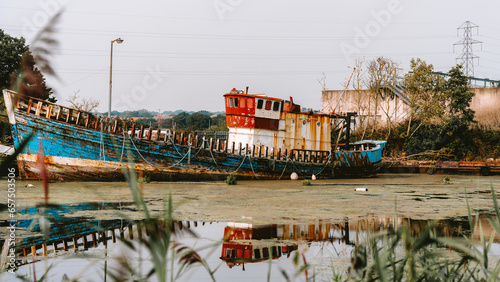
x=77 y=148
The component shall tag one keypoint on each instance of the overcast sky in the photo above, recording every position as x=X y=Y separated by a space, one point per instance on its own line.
x=185 y=54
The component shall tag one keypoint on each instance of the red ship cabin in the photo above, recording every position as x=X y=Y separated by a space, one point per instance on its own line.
x=262 y=121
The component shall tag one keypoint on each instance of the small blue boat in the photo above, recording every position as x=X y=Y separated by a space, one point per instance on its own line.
x=268 y=138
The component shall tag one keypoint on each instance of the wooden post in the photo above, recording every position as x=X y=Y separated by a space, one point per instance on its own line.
x=75 y=244
x=233 y=148
x=97 y=121
x=239 y=149
x=149 y=133
x=211 y=144
x=286 y=152
x=141 y=132
x=181 y=140
x=279 y=154
x=196 y=141
x=78 y=116
x=87 y=120
x=132 y=133
x=124 y=127
x=93 y=240
x=139 y=231
x=113 y=236
x=267 y=151
x=65 y=245
x=38 y=108
x=246 y=149
x=84 y=239
x=131 y=232
x=68 y=116
x=33 y=251
x=115 y=127
x=158 y=133
x=58 y=115
x=106 y=124
x=48 y=114
x=174 y=139
x=217 y=145
x=28 y=109
x=44 y=249
x=104 y=237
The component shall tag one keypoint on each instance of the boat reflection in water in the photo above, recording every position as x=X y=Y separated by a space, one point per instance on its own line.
x=68 y=233
x=247 y=243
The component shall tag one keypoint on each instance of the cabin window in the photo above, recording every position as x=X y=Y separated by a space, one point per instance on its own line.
x=304 y=122
x=235 y=102
x=260 y=103
x=230 y=102
x=293 y=121
x=318 y=124
x=268 y=105
x=250 y=103
x=276 y=106
x=242 y=103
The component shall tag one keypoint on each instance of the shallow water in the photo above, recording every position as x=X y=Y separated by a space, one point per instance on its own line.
x=323 y=221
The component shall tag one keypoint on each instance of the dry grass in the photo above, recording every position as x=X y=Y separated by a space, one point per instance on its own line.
x=489 y=119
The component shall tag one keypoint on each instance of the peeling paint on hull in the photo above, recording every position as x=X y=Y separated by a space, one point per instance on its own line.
x=83 y=153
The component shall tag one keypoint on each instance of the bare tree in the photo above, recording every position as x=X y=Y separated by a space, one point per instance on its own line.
x=361 y=101
x=82 y=104
x=381 y=73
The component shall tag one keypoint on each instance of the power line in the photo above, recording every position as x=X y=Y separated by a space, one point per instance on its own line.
x=144 y=34
x=217 y=20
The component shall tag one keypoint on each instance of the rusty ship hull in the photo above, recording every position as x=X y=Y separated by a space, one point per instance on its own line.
x=78 y=145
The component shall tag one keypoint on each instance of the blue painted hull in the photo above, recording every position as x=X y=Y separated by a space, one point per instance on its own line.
x=76 y=152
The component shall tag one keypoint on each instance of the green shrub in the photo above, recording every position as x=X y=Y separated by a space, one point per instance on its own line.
x=145 y=179
x=430 y=170
x=306 y=182
x=231 y=179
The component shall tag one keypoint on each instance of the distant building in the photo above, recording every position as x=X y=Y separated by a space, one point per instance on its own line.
x=393 y=105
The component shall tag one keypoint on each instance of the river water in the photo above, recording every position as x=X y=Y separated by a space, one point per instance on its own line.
x=234 y=229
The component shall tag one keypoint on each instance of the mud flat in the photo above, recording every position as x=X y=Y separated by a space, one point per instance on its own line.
x=417 y=196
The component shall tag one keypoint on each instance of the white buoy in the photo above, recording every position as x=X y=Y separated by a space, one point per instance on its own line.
x=313 y=177
x=294 y=176
x=361 y=189
x=30 y=185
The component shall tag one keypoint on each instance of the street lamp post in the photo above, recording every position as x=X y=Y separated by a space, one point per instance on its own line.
x=118 y=40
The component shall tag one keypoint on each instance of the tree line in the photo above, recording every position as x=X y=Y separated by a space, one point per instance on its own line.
x=184 y=121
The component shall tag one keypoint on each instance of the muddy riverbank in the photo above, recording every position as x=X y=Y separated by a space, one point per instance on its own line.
x=407 y=195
